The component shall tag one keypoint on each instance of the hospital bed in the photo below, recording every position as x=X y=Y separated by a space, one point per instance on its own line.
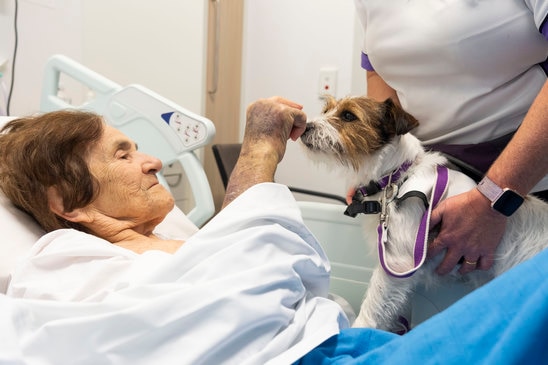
x=173 y=134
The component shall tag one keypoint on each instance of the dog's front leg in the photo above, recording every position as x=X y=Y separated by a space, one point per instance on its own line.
x=386 y=301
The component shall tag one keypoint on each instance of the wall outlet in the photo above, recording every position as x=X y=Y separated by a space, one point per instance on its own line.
x=328 y=82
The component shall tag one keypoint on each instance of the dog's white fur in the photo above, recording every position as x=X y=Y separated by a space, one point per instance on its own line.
x=369 y=140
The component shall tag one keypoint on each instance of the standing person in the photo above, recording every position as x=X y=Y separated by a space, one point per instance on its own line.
x=475 y=79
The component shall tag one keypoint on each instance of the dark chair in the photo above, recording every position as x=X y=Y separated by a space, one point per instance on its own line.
x=226 y=156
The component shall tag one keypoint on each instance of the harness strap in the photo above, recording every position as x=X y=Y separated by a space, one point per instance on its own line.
x=373 y=187
x=414 y=194
x=374 y=206
x=370 y=189
x=365 y=207
x=420 y=247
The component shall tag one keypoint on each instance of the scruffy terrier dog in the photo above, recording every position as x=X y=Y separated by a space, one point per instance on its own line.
x=401 y=181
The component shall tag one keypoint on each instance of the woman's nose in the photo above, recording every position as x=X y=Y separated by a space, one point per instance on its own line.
x=151 y=164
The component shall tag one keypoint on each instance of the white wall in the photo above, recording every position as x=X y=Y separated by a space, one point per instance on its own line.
x=159 y=44
x=43 y=30
x=286 y=43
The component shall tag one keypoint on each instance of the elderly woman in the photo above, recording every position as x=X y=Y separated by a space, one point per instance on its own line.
x=69 y=169
x=249 y=288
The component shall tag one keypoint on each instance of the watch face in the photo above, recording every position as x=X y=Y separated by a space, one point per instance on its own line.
x=508 y=202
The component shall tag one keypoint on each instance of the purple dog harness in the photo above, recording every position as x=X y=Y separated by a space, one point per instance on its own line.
x=422 y=233
x=373 y=207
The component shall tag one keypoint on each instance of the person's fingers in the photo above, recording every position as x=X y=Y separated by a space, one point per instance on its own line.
x=436 y=217
x=350 y=195
x=468 y=265
x=450 y=260
x=299 y=125
x=435 y=248
x=437 y=214
x=287 y=102
x=485 y=262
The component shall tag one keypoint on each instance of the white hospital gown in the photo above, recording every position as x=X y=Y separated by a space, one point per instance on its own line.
x=248 y=288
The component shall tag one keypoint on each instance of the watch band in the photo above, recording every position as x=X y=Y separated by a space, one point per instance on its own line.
x=505 y=201
x=489 y=189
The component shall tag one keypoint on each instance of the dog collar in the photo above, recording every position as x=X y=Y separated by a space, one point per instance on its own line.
x=371 y=206
x=375 y=186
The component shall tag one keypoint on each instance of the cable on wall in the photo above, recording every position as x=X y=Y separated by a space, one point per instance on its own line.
x=16 y=35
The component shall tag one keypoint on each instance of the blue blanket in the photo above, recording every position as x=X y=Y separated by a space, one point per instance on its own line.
x=504 y=322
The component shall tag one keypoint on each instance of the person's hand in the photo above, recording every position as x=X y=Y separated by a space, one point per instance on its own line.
x=470 y=231
x=350 y=195
x=270 y=123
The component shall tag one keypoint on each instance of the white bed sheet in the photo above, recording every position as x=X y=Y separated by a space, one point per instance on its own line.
x=249 y=287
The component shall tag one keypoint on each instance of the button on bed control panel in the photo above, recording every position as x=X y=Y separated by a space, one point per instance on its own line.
x=191 y=132
x=158 y=126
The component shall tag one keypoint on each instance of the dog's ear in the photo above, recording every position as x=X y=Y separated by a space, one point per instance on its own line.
x=329 y=102
x=399 y=119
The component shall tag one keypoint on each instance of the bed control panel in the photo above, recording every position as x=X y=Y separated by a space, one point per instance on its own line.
x=173 y=130
x=191 y=132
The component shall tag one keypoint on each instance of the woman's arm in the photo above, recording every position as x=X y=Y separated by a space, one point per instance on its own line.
x=269 y=124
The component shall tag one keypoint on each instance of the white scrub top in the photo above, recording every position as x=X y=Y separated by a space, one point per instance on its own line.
x=468 y=70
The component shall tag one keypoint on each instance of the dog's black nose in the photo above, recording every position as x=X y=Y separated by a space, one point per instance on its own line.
x=309 y=127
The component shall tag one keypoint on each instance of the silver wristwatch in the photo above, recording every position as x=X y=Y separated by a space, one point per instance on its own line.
x=505 y=201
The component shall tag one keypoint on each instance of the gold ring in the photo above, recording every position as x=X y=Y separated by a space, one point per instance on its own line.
x=470 y=262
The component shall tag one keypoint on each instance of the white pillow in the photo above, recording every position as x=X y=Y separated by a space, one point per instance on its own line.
x=18 y=233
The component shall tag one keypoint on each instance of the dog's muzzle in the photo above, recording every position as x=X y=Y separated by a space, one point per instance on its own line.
x=307 y=136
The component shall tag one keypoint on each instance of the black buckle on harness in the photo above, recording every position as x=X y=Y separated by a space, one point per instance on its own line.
x=365 y=207
x=374 y=207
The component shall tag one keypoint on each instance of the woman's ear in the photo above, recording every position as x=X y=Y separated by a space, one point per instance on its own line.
x=55 y=202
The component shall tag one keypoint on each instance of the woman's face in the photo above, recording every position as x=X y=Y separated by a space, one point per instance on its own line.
x=129 y=189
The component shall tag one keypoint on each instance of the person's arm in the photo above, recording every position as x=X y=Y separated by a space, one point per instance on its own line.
x=269 y=124
x=378 y=89
x=524 y=162
x=469 y=227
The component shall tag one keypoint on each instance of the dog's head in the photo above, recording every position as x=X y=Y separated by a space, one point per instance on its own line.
x=353 y=128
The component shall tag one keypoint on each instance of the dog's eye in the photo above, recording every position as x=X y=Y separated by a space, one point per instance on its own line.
x=348 y=117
